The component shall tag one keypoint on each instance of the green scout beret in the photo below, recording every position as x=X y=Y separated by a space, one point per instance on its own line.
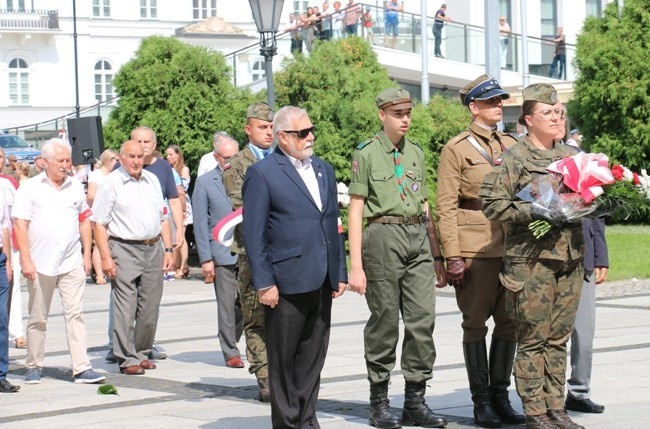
x=483 y=87
x=260 y=111
x=393 y=96
x=540 y=92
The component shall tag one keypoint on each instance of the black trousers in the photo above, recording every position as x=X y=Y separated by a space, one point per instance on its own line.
x=297 y=337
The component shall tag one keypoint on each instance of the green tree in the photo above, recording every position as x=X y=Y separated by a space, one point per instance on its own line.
x=612 y=93
x=183 y=92
x=337 y=84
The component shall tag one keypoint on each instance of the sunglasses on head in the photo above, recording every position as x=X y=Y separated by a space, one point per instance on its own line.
x=302 y=134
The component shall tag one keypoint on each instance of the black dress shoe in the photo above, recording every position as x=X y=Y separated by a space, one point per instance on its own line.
x=6 y=387
x=583 y=405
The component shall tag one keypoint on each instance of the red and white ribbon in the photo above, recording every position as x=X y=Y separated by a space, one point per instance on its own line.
x=584 y=173
x=226 y=226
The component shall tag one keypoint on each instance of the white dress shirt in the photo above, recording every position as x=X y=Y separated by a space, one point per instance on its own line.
x=306 y=172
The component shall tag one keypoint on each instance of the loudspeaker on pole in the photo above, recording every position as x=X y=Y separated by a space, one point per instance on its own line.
x=86 y=138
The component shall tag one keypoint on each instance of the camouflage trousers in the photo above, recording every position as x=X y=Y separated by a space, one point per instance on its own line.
x=253 y=321
x=542 y=300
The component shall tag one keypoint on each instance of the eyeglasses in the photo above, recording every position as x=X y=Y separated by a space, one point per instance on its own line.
x=548 y=113
x=302 y=134
x=225 y=158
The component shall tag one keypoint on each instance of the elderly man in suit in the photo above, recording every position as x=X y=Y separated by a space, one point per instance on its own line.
x=297 y=260
x=210 y=204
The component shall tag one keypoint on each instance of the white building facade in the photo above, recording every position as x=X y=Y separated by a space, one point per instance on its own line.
x=37 y=59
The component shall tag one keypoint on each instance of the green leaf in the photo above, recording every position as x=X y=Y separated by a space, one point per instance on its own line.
x=107 y=389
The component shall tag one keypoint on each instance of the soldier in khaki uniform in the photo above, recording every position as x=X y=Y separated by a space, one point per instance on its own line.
x=473 y=248
x=543 y=277
x=391 y=261
x=259 y=128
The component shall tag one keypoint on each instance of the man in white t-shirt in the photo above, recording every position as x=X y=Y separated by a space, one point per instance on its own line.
x=52 y=229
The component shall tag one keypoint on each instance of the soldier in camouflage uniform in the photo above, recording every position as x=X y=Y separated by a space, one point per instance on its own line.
x=260 y=133
x=394 y=253
x=473 y=249
x=543 y=277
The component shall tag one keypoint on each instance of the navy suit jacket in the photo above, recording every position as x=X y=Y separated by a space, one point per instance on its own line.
x=595 y=245
x=210 y=204
x=290 y=243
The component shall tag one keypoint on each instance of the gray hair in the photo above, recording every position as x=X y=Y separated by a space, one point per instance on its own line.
x=283 y=118
x=144 y=128
x=219 y=138
x=48 y=151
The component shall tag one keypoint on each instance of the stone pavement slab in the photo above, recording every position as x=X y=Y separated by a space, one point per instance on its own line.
x=194 y=389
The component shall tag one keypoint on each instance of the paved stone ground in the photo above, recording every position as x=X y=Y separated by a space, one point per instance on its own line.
x=194 y=389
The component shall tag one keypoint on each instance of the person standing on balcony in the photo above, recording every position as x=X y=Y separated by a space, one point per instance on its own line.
x=439 y=23
x=393 y=7
x=473 y=248
x=559 y=60
x=504 y=39
x=351 y=20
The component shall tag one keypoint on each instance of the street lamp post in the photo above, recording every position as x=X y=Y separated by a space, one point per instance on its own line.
x=267 y=19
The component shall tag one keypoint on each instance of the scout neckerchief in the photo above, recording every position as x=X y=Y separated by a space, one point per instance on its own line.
x=399 y=173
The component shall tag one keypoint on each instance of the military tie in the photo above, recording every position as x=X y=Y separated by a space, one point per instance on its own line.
x=399 y=173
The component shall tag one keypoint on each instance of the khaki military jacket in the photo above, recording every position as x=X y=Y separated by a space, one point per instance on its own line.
x=233 y=180
x=461 y=171
x=518 y=167
x=373 y=177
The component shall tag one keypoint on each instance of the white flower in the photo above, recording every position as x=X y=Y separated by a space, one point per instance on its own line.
x=627 y=174
x=343 y=197
x=644 y=182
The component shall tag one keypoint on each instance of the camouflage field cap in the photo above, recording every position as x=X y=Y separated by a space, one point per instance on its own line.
x=393 y=96
x=483 y=87
x=261 y=111
x=540 y=92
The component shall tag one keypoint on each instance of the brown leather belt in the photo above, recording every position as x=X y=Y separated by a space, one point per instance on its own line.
x=148 y=242
x=470 y=204
x=397 y=220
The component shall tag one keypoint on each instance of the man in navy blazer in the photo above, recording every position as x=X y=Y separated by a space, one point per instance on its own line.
x=297 y=260
x=210 y=204
x=582 y=339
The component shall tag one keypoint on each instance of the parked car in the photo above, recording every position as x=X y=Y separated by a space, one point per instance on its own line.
x=15 y=145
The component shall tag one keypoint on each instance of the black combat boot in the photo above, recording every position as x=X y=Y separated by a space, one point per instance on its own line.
x=416 y=412
x=502 y=354
x=381 y=415
x=477 y=374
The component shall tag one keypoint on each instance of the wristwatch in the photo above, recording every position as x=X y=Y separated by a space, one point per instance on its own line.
x=169 y=250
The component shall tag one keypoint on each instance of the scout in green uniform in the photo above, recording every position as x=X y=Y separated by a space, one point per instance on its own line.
x=260 y=133
x=473 y=248
x=392 y=263
x=543 y=277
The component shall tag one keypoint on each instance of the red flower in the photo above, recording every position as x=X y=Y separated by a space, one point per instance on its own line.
x=618 y=171
x=635 y=179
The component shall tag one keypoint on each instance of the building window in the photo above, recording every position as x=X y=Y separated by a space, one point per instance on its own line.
x=549 y=18
x=505 y=10
x=204 y=8
x=15 y=4
x=18 y=81
x=593 y=8
x=258 y=71
x=102 y=8
x=103 y=81
x=300 y=6
x=148 y=9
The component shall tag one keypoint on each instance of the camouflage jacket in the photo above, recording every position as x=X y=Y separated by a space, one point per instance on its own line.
x=233 y=180
x=518 y=167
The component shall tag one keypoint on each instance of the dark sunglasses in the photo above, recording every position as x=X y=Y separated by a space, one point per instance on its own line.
x=302 y=134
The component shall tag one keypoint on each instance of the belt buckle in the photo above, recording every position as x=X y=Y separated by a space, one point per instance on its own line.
x=406 y=220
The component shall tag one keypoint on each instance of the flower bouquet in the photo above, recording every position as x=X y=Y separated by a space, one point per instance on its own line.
x=342 y=195
x=627 y=197
x=569 y=192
